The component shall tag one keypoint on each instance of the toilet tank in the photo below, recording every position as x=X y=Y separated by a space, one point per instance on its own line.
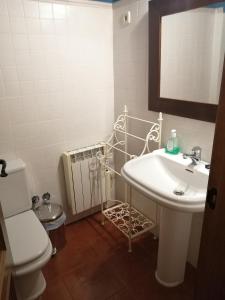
x=14 y=192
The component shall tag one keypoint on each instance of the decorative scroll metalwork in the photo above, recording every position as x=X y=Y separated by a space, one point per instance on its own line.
x=120 y=123
x=119 y=216
x=154 y=135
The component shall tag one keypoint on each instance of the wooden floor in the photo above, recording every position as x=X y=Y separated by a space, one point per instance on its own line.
x=95 y=265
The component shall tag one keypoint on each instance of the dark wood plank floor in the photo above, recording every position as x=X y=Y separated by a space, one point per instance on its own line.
x=95 y=265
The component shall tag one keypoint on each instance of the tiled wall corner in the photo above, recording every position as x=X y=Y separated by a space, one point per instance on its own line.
x=56 y=83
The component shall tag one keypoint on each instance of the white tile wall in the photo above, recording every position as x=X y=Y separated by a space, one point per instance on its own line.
x=56 y=83
x=131 y=88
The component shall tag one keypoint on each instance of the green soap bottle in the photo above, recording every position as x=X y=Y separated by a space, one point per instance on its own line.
x=172 y=146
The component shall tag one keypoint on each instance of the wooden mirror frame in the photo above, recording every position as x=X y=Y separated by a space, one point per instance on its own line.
x=187 y=109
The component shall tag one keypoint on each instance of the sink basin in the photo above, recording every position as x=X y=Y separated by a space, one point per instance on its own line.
x=180 y=190
x=169 y=180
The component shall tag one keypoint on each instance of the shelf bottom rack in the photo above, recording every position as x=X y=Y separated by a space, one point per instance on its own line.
x=119 y=216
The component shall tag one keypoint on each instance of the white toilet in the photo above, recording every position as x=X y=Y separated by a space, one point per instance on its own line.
x=29 y=243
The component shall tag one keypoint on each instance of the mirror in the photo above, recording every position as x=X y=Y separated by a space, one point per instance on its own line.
x=192 y=53
x=186 y=57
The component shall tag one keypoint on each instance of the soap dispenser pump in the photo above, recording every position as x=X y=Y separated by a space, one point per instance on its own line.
x=172 y=146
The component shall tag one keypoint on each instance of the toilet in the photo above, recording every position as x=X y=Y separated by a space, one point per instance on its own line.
x=29 y=243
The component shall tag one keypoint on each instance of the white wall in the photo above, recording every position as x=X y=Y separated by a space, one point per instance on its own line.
x=131 y=88
x=56 y=83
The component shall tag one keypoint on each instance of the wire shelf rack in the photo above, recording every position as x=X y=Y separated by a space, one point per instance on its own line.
x=119 y=216
x=123 y=215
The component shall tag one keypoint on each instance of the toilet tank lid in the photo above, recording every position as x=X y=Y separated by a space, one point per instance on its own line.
x=15 y=165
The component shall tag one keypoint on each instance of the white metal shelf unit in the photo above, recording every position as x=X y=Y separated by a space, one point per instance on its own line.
x=122 y=214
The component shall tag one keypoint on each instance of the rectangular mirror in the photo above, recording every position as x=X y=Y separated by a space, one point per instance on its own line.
x=186 y=57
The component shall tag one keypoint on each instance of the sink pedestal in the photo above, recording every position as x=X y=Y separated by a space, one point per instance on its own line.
x=174 y=236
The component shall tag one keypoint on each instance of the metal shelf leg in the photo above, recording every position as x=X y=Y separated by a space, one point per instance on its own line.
x=130 y=225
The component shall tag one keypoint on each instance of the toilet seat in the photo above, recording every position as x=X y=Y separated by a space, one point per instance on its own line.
x=29 y=243
x=34 y=265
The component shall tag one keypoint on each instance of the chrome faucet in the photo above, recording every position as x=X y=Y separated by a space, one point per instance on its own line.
x=195 y=155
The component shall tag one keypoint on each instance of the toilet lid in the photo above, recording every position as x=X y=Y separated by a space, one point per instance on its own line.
x=27 y=237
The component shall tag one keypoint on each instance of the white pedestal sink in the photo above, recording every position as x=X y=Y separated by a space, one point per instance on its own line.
x=180 y=189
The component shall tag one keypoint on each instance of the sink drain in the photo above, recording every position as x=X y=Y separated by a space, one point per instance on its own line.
x=178 y=192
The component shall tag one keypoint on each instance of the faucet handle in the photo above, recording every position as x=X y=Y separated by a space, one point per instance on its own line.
x=197 y=152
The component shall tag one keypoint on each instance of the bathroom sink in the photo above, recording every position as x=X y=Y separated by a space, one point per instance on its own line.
x=179 y=187
x=169 y=179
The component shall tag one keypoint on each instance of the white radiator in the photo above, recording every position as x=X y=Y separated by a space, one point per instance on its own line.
x=82 y=174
